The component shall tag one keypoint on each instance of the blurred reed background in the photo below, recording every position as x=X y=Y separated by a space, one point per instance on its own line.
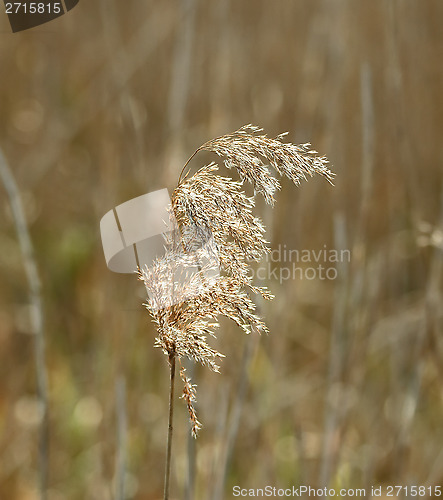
x=105 y=104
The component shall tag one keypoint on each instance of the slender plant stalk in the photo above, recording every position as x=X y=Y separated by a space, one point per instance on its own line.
x=201 y=148
x=120 y=391
x=37 y=322
x=191 y=452
x=170 y=424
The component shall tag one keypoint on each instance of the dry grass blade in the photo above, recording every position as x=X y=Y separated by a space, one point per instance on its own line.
x=189 y=397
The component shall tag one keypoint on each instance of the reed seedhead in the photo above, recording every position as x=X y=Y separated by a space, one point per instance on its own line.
x=205 y=270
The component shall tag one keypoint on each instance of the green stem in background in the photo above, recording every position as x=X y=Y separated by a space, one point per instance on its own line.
x=170 y=426
x=37 y=319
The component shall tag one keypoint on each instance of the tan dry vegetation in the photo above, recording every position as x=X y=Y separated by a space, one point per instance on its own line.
x=106 y=104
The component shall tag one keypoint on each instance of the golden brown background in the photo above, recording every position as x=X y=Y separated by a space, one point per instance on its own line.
x=106 y=103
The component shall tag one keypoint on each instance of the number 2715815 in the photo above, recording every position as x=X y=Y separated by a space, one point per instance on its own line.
x=414 y=491
x=33 y=8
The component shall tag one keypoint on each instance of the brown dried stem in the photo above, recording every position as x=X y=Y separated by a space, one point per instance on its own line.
x=171 y=360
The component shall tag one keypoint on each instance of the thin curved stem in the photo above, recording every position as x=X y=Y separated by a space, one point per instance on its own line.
x=203 y=146
x=187 y=163
x=170 y=425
